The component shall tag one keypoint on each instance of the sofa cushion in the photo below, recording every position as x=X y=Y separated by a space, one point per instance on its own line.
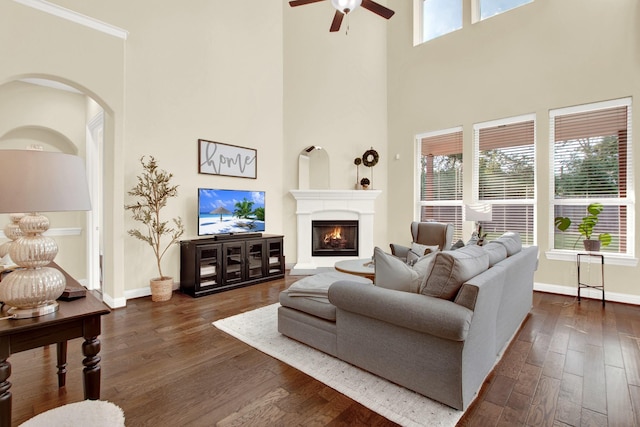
x=452 y=268
x=497 y=252
x=393 y=273
x=315 y=306
x=318 y=284
x=417 y=251
x=511 y=241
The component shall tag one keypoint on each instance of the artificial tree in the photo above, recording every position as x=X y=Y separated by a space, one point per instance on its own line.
x=153 y=191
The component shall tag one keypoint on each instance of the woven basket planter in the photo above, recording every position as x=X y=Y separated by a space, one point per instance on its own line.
x=161 y=290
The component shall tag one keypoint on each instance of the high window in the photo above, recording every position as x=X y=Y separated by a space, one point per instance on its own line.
x=484 y=9
x=435 y=18
x=505 y=175
x=440 y=186
x=592 y=164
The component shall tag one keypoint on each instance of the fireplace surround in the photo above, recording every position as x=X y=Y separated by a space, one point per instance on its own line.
x=332 y=205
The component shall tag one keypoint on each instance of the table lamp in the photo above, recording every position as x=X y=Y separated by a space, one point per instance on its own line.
x=478 y=212
x=34 y=182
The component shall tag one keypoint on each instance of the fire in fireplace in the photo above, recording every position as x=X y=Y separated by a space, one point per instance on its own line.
x=334 y=238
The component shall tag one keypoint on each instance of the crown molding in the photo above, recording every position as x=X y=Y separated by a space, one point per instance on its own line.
x=78 y=18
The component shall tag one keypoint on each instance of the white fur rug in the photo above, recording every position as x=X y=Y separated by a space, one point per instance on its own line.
x=94 y=413
x=259 y=329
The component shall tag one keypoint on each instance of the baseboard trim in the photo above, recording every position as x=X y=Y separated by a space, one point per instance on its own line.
x=587 y=293
x=114 y=302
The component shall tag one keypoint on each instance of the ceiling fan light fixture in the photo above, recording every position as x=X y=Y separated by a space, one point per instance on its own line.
x=346 y=6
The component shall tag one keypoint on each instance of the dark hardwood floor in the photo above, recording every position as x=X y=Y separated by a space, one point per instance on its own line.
x=164 y=364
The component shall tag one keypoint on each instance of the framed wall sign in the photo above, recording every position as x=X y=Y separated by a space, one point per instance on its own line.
x=216 y=158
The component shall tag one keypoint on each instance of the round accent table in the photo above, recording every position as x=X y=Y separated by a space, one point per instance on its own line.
x=360 y=267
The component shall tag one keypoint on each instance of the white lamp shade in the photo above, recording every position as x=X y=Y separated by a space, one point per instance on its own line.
x=346 y=6
x=478 y=212
x=42 y=181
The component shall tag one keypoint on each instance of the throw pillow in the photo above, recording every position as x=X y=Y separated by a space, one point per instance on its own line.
x=421 y=250
x=511 y=241
x=417 y=251
x=412 y=257
x=457 y=245
x=392 y=273
x=452 y=268
x=497 y=252
x=473 y=240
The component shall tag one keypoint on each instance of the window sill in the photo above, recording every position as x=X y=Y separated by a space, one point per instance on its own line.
x=610 y=258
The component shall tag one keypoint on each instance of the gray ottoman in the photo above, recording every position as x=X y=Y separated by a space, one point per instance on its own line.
x=305 y=313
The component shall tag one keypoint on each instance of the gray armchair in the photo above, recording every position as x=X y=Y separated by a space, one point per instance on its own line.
x=426 y=233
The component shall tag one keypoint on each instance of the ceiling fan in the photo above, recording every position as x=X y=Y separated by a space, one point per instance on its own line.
x=343 y=7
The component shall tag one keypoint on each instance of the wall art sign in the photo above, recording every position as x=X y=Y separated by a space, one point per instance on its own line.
x=216 y=158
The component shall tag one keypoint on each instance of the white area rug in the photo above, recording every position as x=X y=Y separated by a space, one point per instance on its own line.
x=259 y=329
x=94 y=413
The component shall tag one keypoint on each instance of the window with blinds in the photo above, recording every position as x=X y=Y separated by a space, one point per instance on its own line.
x=592 y=163
x=440 y=177
x=505 y=175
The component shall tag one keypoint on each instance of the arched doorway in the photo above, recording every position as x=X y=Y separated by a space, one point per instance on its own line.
x=51 y=113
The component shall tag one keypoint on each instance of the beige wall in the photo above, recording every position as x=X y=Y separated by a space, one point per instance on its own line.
x=544 y=55
x=210 y=70
x=335 y=97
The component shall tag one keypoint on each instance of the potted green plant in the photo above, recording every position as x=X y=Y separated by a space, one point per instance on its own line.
x=153 y=191
x=586 y=227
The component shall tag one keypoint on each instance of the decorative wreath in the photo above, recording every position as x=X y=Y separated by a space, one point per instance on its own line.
x=370 y=158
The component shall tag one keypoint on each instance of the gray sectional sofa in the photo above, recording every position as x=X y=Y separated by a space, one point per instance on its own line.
x=441 y=339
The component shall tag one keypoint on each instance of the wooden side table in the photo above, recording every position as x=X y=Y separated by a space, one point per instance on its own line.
x=360 y=267
x=74 y=319
x=588 y=259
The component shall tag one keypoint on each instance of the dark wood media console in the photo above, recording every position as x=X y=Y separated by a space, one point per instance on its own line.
x=214 y=265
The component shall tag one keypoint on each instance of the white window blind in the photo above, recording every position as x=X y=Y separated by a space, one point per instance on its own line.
x=441 y=178
x=505 y=165
x=592 y=162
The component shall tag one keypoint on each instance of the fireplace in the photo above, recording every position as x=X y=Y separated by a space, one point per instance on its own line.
x=334 y=238
x=332 y=205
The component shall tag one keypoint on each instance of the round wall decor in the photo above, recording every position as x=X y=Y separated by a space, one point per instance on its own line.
x=370 y=158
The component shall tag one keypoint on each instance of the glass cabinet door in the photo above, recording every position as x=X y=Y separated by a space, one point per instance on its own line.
x=254 y=259
x=276 y=259
x=233 y=262
x=208 y=266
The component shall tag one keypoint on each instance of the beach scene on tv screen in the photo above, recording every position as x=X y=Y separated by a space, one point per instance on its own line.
x=230 y=211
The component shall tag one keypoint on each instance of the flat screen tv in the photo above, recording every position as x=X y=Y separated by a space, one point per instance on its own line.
x=229 y=211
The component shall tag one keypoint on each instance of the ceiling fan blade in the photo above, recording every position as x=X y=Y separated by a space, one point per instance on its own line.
x=295 y=3
x=337 y=21
x=377 y=8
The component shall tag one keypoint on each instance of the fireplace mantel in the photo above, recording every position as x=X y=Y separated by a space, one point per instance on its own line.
x=332 y=205
x=335 y=194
